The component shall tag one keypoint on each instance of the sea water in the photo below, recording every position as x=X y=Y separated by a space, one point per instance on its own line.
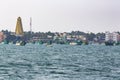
x=59 y=62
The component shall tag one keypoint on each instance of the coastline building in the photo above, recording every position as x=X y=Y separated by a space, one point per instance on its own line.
x=114 y=36
x=2 y=36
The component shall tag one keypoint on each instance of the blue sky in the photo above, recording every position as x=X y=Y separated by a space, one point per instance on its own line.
x=61 y=15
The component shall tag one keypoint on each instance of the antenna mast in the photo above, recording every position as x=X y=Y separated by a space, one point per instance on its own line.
x=30 y=25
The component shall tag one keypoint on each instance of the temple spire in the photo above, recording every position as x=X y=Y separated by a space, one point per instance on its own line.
x=19 y=28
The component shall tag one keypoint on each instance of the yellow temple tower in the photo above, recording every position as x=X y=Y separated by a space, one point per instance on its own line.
x=19 y=28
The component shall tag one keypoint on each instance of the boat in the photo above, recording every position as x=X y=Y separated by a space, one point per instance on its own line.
x=20 y=43
x=49 y=44
x=109 y=43
x=76 y=43
x=73 y=43
x=40 y=42
x=79 y=42
x=117 y=43
x=5 y=42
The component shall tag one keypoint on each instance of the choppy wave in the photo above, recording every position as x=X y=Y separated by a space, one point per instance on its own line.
x=59 y=62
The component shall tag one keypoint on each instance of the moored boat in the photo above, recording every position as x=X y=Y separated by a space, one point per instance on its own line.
x=73 y=43
x=109 y=43
x=20 y=43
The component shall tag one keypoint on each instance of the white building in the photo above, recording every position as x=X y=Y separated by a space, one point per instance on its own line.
x=114 y=36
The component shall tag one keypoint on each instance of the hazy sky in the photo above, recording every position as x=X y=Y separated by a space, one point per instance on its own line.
x=61 y=15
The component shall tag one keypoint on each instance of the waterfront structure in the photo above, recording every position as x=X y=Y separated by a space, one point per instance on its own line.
x=114 y=36
x=2 y=36
x=19 y=28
